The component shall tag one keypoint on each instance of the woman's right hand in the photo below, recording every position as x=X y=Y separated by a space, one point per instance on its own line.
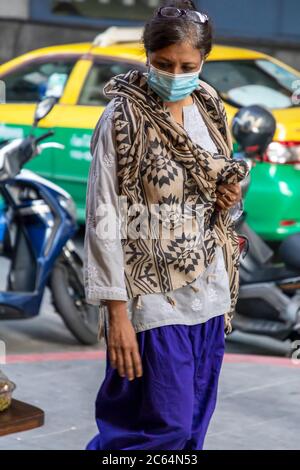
x=122 y=345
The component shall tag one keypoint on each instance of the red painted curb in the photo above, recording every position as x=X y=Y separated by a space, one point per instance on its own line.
x=56 y=356
x=100 y=355
x=255 y=359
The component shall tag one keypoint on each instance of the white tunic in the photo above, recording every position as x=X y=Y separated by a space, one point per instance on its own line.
x=204 y=298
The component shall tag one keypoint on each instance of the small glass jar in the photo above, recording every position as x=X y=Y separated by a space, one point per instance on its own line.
x=6 y=390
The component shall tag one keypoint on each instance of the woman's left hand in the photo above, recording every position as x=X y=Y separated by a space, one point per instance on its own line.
x=228 y=195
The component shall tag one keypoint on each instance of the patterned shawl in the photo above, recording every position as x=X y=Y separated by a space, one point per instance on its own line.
x=158 y=163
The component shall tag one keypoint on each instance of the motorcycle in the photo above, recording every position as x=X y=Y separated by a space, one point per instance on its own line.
x=269 y=295
x=37 y=225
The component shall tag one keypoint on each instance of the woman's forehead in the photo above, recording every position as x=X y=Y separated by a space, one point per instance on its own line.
x=181 y=51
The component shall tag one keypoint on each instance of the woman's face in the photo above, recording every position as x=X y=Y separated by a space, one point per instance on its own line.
x=177 y=58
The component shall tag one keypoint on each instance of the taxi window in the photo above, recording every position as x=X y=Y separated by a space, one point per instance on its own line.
x=37 y=80
x=100 y=74
x=247 y=82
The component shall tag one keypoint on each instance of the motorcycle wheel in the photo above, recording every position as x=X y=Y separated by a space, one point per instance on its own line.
x=67 y=288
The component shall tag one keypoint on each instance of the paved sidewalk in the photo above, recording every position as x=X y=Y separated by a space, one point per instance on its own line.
x=259 y=394
x=258 y=406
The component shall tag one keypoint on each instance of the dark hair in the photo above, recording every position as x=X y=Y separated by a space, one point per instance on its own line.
x=161 y=32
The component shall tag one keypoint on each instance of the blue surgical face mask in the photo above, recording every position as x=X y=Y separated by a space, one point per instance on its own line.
x=173 y=86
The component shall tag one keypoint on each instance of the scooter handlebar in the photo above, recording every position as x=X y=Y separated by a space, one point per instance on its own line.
x=43 y=137
x=28 y=148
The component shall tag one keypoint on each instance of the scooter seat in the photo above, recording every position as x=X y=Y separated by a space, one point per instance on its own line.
x=289 y=251
x=269 y=274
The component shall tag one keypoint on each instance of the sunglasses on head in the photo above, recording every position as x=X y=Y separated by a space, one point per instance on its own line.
x=172 y=12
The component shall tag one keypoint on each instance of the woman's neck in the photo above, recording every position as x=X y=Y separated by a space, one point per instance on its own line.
x=176 y=108
x=179 y=104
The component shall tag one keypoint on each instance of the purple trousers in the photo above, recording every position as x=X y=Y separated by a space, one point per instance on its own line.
x=170 y=406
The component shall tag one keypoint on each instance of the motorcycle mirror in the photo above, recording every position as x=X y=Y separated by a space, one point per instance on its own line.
x=253 y=127
x=43 y=108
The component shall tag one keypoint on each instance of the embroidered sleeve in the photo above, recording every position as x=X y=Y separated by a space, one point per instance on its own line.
x=103 y=253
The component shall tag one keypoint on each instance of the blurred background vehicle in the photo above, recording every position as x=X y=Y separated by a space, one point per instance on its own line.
x=37 y=225
x=269 y=295
x=76 y=74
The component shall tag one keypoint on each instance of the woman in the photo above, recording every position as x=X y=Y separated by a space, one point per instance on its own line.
x=163 y=140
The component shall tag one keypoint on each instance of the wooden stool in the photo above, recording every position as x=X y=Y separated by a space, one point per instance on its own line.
x=20 y=417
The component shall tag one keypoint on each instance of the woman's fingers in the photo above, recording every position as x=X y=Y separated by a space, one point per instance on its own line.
x=231 y=188
x=228 y=195
x=132 y=362
x=112 y=357
x=224 y=203
x=120 y=362
x=221 y=204
x=129 y=369
x=137 y=362
x=127 y=361
x=232 y=192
